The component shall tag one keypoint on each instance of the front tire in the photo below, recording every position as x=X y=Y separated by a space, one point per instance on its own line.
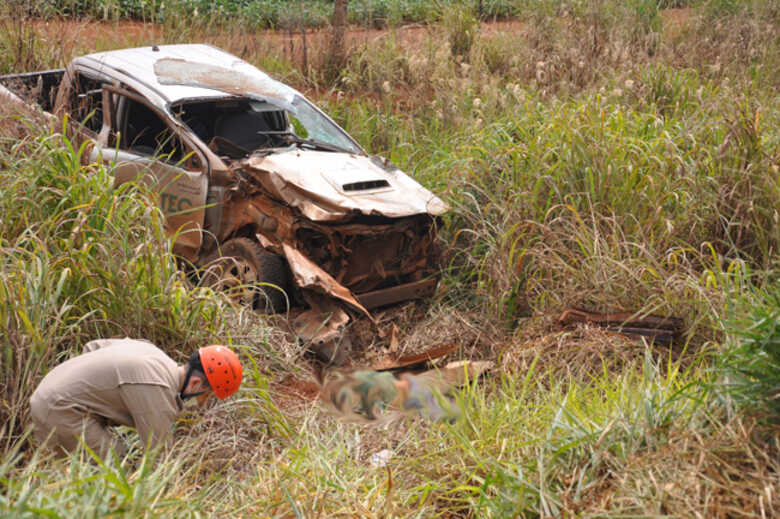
x=250 y=274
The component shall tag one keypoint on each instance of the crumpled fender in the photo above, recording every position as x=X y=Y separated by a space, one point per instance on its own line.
x=309 y=276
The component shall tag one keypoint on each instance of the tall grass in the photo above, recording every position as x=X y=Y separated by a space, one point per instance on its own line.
x=81 y=260
x=522 y=449
x=605 y=199
x=597 y=157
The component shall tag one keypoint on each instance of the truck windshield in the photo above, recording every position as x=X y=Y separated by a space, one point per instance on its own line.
x=310 y=123
x=238 y=126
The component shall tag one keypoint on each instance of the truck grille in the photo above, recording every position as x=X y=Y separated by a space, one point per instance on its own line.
x=365 y=257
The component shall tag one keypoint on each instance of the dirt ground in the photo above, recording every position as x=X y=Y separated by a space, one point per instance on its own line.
x=99 y=35
x=96 y=33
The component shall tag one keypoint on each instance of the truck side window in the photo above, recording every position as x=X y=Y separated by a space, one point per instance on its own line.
x=87 y=102
x=143 y=132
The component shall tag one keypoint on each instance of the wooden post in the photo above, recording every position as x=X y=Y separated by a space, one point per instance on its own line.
x=338 y=53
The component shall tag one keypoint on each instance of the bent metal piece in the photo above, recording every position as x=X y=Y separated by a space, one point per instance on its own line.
x=310 y=276
x=388 y=296
x=321 y=323
x=659 y=328
x=388 y=362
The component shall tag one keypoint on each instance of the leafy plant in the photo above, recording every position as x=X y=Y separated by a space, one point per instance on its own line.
x=750 y=365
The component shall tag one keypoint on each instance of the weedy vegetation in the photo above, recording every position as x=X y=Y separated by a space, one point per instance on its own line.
x=273 y=14
x=604 y=154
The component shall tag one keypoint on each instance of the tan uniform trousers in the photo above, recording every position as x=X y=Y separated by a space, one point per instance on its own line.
x=60 y=425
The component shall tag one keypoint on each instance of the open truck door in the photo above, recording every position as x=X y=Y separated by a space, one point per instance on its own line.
x=142 y=143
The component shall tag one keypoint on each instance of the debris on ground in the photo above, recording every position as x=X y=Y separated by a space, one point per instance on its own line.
x=390 y=361
x=382 y=458
x=663 y=330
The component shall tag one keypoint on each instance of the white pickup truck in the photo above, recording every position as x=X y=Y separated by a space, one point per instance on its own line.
x=260 y=188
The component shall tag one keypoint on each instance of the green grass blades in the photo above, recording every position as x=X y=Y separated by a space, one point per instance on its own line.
x=749 y=369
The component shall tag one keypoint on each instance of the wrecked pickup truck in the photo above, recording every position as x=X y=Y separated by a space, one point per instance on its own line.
x=259 y=187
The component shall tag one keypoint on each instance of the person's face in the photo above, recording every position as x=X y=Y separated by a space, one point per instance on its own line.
x=198 y=385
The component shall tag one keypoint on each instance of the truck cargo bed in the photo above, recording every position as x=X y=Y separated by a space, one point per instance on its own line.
x=36 y=87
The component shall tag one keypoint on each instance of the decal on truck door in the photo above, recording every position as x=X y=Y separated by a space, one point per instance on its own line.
x=143 y=144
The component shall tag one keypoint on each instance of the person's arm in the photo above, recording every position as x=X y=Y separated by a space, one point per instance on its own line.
x=153 y=410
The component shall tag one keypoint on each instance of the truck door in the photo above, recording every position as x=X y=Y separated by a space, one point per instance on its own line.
x=143 y=144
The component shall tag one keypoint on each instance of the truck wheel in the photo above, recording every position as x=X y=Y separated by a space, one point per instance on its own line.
x=254 y=276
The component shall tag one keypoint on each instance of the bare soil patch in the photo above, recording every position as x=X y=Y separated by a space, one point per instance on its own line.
x=94 y=33
x=98 y=34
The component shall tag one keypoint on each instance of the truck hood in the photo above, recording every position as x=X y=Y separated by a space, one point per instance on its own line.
x=332 y=186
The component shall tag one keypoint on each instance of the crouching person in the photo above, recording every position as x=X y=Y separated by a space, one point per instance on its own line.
x=126 y=382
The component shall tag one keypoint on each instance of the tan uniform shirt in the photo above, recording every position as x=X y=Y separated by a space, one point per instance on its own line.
x=116 y=382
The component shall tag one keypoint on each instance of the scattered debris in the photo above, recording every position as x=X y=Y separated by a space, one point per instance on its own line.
x=382 y=458
x=390 y=362
x=663 y=330
x=461 y=372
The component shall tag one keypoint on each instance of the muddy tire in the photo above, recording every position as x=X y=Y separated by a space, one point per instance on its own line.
x=251 y=275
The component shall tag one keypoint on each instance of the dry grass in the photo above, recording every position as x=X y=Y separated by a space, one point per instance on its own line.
x=580 y=353
x=730 y=473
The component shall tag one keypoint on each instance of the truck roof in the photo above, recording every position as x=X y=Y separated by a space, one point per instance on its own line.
x=191 y=61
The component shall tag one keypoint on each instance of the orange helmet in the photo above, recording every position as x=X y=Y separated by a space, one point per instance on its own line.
x=222 y=368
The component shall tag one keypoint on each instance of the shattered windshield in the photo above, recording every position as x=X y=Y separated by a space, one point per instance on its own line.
x=245 y=81
x=235 y=127
x=310 y=123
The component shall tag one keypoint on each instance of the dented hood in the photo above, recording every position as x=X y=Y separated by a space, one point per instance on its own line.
x=329 y=186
